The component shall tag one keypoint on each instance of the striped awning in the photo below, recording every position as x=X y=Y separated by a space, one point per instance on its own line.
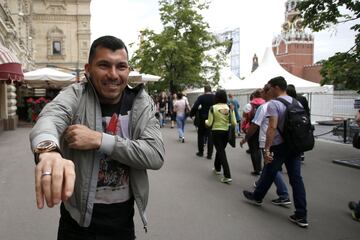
x=10 y=66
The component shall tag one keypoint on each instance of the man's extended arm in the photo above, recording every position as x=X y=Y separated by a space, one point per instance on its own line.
x=58 y=183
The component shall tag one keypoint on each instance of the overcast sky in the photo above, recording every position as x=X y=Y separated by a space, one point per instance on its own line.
x=259 y=22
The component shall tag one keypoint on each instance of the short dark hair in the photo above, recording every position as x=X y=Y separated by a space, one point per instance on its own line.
x=278 y=81
x=179 y=95
x=207 y=88
x=220 y=96
x=109 y=42
x=266 y=88
x=291 y=91
x=257 y=93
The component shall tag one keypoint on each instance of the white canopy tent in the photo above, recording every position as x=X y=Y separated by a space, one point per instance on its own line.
x=136 y=77
x=320 y=97
x=48 y=78
x=270 y=68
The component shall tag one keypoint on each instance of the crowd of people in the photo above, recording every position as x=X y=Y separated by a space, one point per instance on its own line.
x=95 y=141
x=261 y=123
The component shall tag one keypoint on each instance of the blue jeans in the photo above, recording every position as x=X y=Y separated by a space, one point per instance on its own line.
x=293 y=166
x=180 y=123
x=281 y=189
x=162 y=119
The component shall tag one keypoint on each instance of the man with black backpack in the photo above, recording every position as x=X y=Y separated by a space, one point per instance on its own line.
x=284 y=113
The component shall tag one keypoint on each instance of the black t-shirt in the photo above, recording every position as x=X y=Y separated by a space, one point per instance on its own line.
x=113 y=178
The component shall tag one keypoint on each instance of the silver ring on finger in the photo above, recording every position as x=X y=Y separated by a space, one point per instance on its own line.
x=46 y=173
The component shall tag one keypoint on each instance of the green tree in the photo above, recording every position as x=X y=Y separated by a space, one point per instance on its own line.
x=342 y=69
x=180 y=53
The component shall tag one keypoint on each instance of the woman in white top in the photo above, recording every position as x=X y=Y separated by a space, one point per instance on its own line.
x=180 y=107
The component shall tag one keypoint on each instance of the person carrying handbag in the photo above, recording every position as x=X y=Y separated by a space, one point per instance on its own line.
x=219 y=121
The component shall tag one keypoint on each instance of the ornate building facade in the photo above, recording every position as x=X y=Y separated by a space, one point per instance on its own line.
x=294 y=47
x=61 y=33
x=41 y=33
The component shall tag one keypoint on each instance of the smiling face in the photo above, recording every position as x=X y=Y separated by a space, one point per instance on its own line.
x=109 y=71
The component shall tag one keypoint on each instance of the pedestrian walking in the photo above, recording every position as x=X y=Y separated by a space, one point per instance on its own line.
x=276 y=154
x=253 y=141
x=355 y=207
x=202 y=106
x=180 y=107
x=162 y=106
x=172 y=112
x=235 y=106
x=93 y=144
x=291 y=91
x=220 y=118
x=259 y=125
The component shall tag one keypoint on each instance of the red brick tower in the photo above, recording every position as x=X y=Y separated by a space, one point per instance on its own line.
x=293 y=48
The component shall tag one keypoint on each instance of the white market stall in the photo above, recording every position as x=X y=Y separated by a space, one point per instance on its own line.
x=320 y=97
x=136 y=77
x=48 y=78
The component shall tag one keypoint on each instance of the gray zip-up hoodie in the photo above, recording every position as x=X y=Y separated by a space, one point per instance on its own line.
x=79 y=104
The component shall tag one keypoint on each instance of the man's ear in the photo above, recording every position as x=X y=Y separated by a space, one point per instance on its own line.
x=87 y=68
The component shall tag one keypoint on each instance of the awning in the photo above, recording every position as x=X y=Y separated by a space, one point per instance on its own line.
x=136 y=77
x=10 y=66
x=48 y=78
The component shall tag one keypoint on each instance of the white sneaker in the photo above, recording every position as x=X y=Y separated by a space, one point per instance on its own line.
x=216 y=172
x=225 y=180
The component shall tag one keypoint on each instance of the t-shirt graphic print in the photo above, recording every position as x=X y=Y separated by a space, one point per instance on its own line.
x=113 y=178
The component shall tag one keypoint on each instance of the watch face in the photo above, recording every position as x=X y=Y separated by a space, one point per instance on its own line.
x=45 y=145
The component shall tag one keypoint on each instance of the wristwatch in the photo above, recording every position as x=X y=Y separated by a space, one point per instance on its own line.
x=45 y=146
x=266 y=152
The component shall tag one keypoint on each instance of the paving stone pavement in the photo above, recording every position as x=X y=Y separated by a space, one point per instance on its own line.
x=188 y=202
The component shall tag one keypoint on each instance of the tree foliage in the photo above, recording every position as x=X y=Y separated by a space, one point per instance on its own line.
x=179 y=54
x=342 y=68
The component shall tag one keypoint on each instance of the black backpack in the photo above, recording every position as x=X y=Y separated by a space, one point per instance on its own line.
x=298 y=133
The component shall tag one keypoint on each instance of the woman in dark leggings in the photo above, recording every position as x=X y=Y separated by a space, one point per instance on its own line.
x=219 y=118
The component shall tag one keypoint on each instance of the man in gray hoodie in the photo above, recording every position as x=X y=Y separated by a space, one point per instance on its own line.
x=93 y=144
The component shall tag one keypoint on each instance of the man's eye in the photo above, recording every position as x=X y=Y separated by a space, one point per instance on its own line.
x=122 y=67
x=102 y=65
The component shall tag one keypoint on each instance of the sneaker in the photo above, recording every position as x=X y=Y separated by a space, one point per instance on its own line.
x=352 y=205
x=216 y=172
x=225 y=180
x=281 y=202
x=208 y=157
x=183 y=140
x=355 y=216
x=248 y=151
x=254 y=173
x=301 y=222
x=250 y=197
x=199 y=154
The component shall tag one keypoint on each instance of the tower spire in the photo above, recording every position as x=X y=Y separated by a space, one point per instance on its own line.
x=255 y=63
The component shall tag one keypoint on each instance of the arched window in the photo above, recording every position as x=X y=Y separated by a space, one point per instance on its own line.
x=56 y=43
